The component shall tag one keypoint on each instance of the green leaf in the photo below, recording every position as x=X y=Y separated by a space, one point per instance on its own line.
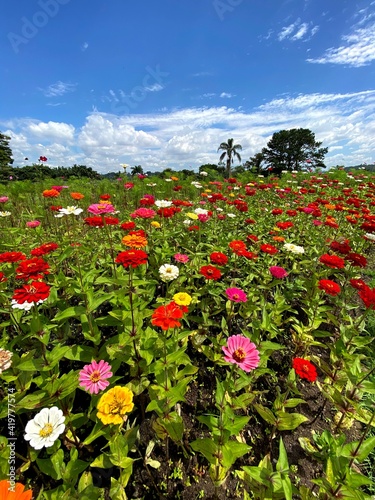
x=207 y=447
x=282 y=463
x=265 y=413
x=70 y=312
x=349 y=450
x=289 y=421
x=102 y=462
x=233 y=450
x=96 y=432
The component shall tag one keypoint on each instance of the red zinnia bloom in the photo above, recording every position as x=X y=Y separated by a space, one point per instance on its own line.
x=342 y=247
x=11 y=257
x=210 y=272
x=33 y=269
x=305 y=369
x=276 y=211
x=128 y=225
x=55 y=208
x=358 y=284
x=252 y=237
x=332 y=261
x=105 y=196
x=356 y=259
x=133 y=258
x=329 y=287
x=284 y=225
x=3 y=278
x=193 y=228
x=291 y=213
x=218 y=258
x=270 y=249
x=237 y=245
x=368 y=296
x=44 y=249
x=167 y=316
x=37 y=290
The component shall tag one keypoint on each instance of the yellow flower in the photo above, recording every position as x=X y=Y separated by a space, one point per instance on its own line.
x=104 y=202
x=114 y=404
x=193 y=216
x=156 y=224
x=208 y=190
x=182 y=298
x=232 y=195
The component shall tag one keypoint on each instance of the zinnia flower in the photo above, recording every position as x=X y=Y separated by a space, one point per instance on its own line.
x=236 y=295
x=3 y=199
x=35 y=293
x=77 y=196
x=101 y=208
x=242 y=352
x=210 y=272
x=33 y=223
x=17 y=493
x=267 y=248
x=332 y=261
x=128 y=225
x=168 y=272
x=114 y=404
x=330 y=287
x=237 y=246
x=44 y=249
x=11 y=257
x=72 y=210
x=134 y=241
x=133 y=258
x=50 y=193
x=278 y=272
x=182 y=298
x=143 y=213
x=5 y=360
x=290 y=247
x=356 y=259
x=45 y=428
x=180 y=257
x=368 y=296
x=305 y=369
x=219 y=258
x=167 y=316
x=34 y=269
x=93 y=376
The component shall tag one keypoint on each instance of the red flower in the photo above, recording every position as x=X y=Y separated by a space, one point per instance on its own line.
x=97 y=221
x=44 y=249
x=167 y=316
x=218 y=258
x=34 y=269
x=37 y=290
x=329 y=287
x=291 y=213
x=105 y=196
x=284 y=225
x=128 y=225
x=237 y=246
x=11 y=257
x=342 y=247
x=358 y=284
x=305 y=369
x=55 y=208
x=332 y=261
x=270 y=249
x=210 y=272
x=247 y=254
x=252 y=238
x=193 y=228
x=3 y=278
x=368 y=296
x=356 y=259
x=133 y=258
x=276 y=211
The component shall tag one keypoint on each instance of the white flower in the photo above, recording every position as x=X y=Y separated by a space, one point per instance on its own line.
x=163 y=203
x=168 y=272
x=5 y=214
x=187 y=222
x=370 y=236
x=290 y=247
x=198 y=185
x=5 y=360
x=69 y=211
x=45 y=428
x=151 y=184
x=203 y=173
x=168 y=180
x=231 y=216
x=201 y=211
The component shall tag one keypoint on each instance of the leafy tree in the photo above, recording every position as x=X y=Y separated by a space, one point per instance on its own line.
x=255 y=163
x=137 y=169
x=294 y=149
x=231 y=152
x=5 y=152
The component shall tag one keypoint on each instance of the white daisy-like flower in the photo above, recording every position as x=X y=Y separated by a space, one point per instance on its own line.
x=168 y=272
x=69 y=211
x=231 y=216
x=45 y=428
x=151 y=184
x=187 y=222
x=203 y=173
x=5 y=214
x=163 y=203
x=5 y=360
x=370 y=236
x=290 y=247
x=168 y=180
x=201 y=211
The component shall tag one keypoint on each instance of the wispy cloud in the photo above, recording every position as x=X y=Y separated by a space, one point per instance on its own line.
x=84 y=46
x=297 y=31
x=357 y=49
x=226 y=95
x=156 y=87
x=58 y=89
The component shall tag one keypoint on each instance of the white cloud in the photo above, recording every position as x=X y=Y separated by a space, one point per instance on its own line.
x=58 y=89
x=358 y=49
x=226 y=94
x=297 y=31
x=186 y=138
x=84 y=46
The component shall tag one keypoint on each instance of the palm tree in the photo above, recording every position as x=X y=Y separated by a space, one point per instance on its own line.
x=230 y=150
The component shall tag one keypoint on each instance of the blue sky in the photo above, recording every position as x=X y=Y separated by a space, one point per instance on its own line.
x=163 y=83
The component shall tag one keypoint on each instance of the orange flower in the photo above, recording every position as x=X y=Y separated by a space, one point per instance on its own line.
x=134 y=241
x=77 y=196
x=328 y=206
x=278 y=238
x=50 y=193
x=16 y=493
x=174 y=178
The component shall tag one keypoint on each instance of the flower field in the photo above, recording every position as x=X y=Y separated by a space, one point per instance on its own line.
x=188 y=338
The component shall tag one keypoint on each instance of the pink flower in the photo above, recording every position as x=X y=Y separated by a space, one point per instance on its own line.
x=128 y=185
x=58 y=188
x=308 y=210
x=180 y=257
x=236 y=295
x=3 y=199
x=317 y=222
x=93 y=377
x=33 y=223
x=242 y=352
x=203 y=217
x=101 y=208
x=144 y=213
x=278 y=272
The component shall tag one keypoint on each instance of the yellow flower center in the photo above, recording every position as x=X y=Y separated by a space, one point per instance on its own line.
x=46 y=431
x=239 y=355
x=95 y=376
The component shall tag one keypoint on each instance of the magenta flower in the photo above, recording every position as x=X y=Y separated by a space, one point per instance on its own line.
x=317 y=222
x=236 y=295
x=242 y=352
x=33 y=223
x=143 y=213
x=93 y=377
x=3 y=199
x=181 y=257
x=101 y=208
x=128 y=185
x=278 y=272
x=203 y=217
